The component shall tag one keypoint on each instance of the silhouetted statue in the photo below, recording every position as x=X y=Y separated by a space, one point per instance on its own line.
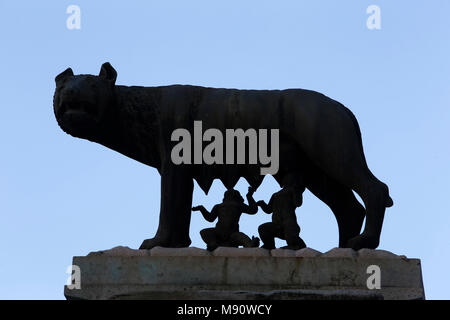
x=282 y=205
x=226 y=233
x=317 y=135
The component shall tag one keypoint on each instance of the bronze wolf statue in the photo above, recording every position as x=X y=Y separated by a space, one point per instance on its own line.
x=317 y=136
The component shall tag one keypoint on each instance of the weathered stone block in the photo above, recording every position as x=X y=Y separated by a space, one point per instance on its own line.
x=240 y=252
x=253 y=273
x=178 y=252
x=307 y=253
x=280 y=253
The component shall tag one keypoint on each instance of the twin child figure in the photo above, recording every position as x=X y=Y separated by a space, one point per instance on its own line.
x=284 y=224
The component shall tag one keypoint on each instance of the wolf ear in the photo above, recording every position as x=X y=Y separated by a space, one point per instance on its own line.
x=66 y=73
x=108 y=72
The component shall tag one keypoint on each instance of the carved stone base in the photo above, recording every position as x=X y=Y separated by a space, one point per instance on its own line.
x=253 y=273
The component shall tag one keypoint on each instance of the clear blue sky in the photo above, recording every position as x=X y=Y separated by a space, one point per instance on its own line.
x=61 y=196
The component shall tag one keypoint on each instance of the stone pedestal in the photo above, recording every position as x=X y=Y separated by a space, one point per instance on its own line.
x=231 y=273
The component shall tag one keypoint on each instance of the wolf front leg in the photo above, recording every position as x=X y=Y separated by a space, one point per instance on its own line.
x=175 y=215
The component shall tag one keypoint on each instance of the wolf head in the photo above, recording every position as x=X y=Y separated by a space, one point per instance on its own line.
x=82 y=102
